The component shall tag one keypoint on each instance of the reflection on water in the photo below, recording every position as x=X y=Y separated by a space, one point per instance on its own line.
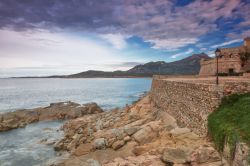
x=22 y=147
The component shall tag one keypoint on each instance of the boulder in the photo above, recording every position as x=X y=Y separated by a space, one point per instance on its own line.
x=205 y=154
x=144 y=135
x=92 y=162
x=130 y=131
x=175 y=156
x=127 y=138
x=179 y=131
x=100 y=143
x=118 y=144
x=83 y=149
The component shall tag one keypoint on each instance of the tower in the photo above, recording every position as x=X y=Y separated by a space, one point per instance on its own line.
x=247 y=42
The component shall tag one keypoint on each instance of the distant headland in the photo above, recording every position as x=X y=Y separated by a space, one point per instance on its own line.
x=187 y=66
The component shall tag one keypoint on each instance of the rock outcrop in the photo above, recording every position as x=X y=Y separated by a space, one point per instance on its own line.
x=138 y=135
x=56 y=111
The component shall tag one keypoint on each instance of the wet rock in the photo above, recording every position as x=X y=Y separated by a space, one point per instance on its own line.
x=56 y=111
x=59 y=146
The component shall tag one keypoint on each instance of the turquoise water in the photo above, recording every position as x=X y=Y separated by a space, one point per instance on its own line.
x=21 y=147
x=107 y=92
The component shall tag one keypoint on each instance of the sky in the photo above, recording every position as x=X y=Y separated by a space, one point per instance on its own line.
x=51 y=37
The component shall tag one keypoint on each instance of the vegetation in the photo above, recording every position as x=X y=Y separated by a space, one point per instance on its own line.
x=231 y=121
x=230 y=74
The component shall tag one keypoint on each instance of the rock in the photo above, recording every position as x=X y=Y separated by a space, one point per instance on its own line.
x=205 y=154
x=131 y=131
x=83 y=149
x=139 y=150
x=93 y=162
x=59 y=146
x=100 y=143
x=118 y=144
x=175 y=156
x=56 y=111
x=179 y=131
x=127 y=138
x=118 y=133
x=143 y=160
x=144 y=135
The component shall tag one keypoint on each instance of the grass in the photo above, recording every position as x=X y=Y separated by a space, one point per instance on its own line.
x=231 y=121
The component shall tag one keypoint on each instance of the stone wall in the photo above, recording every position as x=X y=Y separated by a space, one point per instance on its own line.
x=208 y=67
x=191 y=101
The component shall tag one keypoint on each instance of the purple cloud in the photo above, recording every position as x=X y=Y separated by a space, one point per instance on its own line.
x=158 y=21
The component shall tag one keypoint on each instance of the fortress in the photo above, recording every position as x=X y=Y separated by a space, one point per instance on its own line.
x=230 y=62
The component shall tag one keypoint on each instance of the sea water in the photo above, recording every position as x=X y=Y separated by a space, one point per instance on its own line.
x=23 y=147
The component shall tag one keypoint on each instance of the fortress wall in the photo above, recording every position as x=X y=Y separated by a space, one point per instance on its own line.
x=208 y=68
x=190 y=102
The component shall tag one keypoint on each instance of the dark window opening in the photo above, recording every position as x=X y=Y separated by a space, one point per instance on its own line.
x=231 y=71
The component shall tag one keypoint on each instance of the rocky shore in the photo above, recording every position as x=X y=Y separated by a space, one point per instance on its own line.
x=138 y=135
x=56 y=111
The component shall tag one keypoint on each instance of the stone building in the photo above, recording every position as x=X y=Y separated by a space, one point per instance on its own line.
x=230 y=61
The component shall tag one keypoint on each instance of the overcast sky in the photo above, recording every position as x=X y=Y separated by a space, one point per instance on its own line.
x=46 y=37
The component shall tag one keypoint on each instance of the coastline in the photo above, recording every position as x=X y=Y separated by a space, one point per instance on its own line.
x=147 y=132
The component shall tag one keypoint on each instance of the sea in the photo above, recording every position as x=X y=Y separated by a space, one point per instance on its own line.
x=23 y=147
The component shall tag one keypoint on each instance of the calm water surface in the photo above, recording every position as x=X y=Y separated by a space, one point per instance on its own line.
x=107 y=92
x=21 y=147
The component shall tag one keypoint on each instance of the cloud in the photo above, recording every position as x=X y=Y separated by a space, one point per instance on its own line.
x=124 y=65
x=227 y=43
x=242 y=35
x=117 y=40
x=172 y=44
x=189 y=51
x=158 y=21
x=35 y=50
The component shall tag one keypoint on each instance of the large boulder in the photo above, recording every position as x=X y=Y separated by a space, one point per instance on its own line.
x=205 y=154
x=144 y=135
x=176 y=156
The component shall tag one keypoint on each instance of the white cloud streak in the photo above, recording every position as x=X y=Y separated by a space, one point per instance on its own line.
x=189 y=51
x=226 y=43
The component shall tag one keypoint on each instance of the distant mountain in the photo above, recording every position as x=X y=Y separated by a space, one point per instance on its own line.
x=186 y=66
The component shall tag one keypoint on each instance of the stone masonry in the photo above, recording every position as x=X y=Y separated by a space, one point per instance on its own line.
x=191 y=100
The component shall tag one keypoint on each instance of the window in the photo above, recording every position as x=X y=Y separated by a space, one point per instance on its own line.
x=231 y=71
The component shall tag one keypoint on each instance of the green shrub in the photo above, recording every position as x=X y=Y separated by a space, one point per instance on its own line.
x=231 y=121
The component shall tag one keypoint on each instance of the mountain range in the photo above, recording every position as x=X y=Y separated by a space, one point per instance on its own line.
x=186 y=66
